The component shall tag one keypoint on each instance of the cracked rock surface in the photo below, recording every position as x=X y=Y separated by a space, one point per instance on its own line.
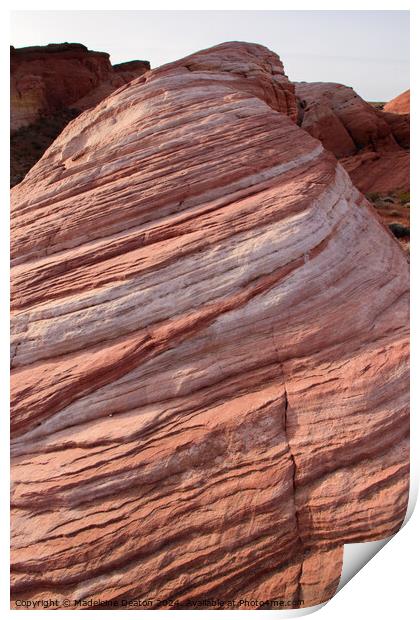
x=210 y=364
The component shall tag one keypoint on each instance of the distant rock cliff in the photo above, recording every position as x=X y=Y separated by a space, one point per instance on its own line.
x=45 y=80
x=209 y=349
x=52 y=84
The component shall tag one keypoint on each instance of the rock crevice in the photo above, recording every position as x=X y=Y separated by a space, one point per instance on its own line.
x=298 y=594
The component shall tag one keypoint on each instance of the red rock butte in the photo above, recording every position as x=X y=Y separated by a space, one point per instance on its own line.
x=45 y=79
x=209 y=349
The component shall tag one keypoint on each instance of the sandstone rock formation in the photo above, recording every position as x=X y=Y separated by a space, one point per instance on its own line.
x=353 y=121
x=400 y=104
x=371 y=144
x=52 y=84
x=47 y=79
x=209 y=364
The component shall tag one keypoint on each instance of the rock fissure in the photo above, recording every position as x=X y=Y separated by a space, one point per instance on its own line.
x=297 y=595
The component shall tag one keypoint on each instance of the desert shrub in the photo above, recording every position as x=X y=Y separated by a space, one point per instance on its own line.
x=28 y=144
x=399 y=230
x=404 y=197
x=378 y=105
x=373 y=196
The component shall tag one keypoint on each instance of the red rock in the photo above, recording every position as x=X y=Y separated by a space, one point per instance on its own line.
x=363 y=125
x=121 y=74
x=370 y=143
x=400 y=127
x=49 y=78
x=50 y=86
x=323 y=123
x=400 y=104
x=209 y=363
x=379 y=172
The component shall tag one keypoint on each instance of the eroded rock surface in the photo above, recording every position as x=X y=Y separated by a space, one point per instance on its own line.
x=209 y=365
x=371 y=144
x=383 y=173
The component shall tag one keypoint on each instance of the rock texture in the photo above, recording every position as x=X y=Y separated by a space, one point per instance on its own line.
x=343 y=121
x=371 y=144
x=379 y=172
x=209 y=363
x=49 y=86
x=400 y=104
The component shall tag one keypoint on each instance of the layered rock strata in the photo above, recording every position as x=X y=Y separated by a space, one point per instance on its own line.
x=209 y=350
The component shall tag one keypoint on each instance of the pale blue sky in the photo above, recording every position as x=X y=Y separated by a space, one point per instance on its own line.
x=368 y=50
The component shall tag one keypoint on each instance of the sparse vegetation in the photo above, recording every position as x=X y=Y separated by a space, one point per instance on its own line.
x=398 y=230
x=394 y=211
x=28 y=144
x=401 y=198
x=378 y=105
x=373 y=196
x=404 y=197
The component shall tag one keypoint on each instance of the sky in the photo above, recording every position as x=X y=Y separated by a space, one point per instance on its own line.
x=368 y=50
